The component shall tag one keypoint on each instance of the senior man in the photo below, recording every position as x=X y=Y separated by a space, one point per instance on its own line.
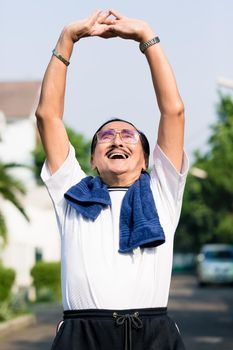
x=117 y=228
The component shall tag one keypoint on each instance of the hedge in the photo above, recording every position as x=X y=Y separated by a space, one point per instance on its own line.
x=47 y=281
x=7 y=278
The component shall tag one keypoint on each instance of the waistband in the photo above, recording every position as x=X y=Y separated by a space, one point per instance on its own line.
x=127 y=318
x=106 y=313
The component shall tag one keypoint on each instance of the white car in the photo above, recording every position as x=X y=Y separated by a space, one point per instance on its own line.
x=215 y=264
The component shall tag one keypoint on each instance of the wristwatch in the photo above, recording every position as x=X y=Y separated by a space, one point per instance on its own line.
x=146 y=44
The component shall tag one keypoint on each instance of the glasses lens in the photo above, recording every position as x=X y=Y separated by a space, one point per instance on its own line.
x=106 y=135
x=129 y=136
x=126 y=135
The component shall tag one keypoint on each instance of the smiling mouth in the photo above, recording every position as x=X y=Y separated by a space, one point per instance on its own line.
x=117 y=155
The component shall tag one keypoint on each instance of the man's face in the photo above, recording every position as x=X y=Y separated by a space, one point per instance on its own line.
x=118 y=157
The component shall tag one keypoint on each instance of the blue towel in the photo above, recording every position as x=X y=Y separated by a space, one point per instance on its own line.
x=139 y=221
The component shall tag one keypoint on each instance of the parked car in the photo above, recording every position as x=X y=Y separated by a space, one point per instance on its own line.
x=215 y=264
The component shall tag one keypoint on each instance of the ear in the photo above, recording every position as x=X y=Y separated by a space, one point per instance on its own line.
x=144 y=167
x=93 y=165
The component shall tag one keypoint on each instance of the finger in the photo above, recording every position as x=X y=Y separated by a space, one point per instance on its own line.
x=112 y=29
x=93 y=18
x=103 y=16
x=107 y=35
x=104 y=33
x=116 y=14
x=109 y=21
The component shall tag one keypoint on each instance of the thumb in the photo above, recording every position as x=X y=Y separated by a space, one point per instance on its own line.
x=93 y=18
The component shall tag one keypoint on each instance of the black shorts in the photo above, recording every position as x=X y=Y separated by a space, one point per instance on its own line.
x=135 y=329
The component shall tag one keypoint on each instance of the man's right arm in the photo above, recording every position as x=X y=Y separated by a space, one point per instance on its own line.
x=50 y=110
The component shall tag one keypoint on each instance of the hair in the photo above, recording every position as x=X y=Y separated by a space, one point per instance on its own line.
x=143 y=138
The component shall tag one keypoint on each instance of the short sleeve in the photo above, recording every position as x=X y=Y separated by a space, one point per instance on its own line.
x=172 y=180
x=66 y=176
x=168 y=185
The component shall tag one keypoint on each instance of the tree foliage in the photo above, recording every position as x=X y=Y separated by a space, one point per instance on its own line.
x=47 y=275
x=7 y=277
x=207 y=214
x=82 y=152
x=10 y=188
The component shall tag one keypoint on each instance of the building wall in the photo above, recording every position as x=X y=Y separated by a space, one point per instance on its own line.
x=41 y=234
x=24 y=238
x=18 y=141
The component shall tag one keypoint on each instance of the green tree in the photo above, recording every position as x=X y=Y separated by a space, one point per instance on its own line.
x=10 y=188
x=207 y=214
x=82 y=152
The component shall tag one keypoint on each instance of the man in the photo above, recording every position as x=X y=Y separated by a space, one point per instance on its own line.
x=116 y=229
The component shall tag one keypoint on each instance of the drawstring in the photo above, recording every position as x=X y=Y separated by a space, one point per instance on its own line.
x=129 y=321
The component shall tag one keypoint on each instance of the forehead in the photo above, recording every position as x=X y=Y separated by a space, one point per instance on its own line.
x=118 y=125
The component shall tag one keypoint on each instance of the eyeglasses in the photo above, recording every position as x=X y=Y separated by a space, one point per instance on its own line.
x=126 y=135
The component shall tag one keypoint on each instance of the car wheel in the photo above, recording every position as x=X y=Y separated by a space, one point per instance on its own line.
x=202 y=284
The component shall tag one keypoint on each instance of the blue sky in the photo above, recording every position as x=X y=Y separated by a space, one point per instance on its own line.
x=109 y=78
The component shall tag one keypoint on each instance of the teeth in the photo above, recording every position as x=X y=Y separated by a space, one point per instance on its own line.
x=112 y=155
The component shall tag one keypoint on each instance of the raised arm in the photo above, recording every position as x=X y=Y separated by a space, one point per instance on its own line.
x=49 y=112
x=171 y=126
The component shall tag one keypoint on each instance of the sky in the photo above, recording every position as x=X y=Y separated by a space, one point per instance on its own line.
x=111 y=78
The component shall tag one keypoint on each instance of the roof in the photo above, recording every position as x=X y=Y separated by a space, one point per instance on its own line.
x=18 y=99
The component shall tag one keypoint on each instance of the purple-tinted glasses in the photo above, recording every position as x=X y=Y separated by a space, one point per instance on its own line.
x=126 y=135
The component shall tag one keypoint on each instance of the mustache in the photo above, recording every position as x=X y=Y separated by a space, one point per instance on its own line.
x=115 y=148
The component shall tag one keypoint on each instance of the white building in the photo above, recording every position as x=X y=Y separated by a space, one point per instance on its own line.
x=38 y=239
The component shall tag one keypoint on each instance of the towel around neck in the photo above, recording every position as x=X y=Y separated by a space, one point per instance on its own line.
x=139 y=221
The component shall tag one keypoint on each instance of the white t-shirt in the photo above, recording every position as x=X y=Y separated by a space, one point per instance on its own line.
x=94 y=274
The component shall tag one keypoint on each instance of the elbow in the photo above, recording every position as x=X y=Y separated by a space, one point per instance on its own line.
x=180 y=111
x=39 y=121
x=176 y=111
x=42 y=118
x=181 y=107
x=40 y=115
x=44 y=114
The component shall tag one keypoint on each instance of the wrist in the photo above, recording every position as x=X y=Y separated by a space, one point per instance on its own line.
x=146 y=34
x=70 y=34
x=143 y=46
x=65 y=44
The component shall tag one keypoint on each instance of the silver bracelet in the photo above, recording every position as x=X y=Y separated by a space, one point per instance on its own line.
x=146 y=44
x=60 y=57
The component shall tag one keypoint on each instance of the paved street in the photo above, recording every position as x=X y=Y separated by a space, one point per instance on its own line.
x=204 y=316
x=36 y=337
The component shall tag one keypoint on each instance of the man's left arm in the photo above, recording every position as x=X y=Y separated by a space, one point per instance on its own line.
x=171 y=125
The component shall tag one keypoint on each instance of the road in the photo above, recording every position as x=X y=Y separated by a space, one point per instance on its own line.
x=204 y=316
x=38 y=336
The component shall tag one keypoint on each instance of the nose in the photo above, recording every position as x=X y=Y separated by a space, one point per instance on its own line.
x=117 y=139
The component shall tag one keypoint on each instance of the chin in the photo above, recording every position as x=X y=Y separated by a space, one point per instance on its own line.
x=114 y=171
x=118 y=171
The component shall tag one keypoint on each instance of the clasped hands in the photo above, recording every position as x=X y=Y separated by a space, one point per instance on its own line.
x=109 y=24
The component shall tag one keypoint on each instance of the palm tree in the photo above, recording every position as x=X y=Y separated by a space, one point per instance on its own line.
x=10 y=188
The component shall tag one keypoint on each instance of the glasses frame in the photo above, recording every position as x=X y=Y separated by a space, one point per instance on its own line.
x=116 y=132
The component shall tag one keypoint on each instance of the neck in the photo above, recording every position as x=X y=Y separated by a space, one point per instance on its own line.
x=121 y=180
